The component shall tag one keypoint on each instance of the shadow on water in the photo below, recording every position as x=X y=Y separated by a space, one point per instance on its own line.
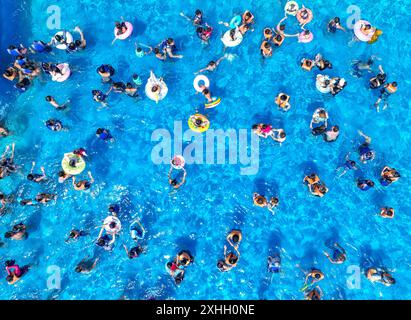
x=371 y=258
x=308 y=167
x=266 y=188
x=188 y=244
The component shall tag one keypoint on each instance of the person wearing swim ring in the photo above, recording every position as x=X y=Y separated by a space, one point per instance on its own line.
x=332 y=135
x=133 y=252
x=381 y=276
x=388 y=90
x=120 y=27
x=339 y=255
x=168 y=47
x=58 y=39
x=184 y=258
x=55 y=125
x=106 y=71
x=35 y=177
x=278 y=40
x=83 y=185
x=304 y=16
x=14 y=271
x=387 y=212
x=283 y=101
x=267 y=34
x=18 y=232
x=365 y=151
x=54 y=103
x=206 y=93
x=365 y=184
x=335 y=25
x=243 y=29
x=314 y=275
x=313 y=294
x=86 y=265
x=75 y=235
x=234 y=238
x=307 y=64
x=321 y=63
x=204 y=33
x=388 y=176
x=173 y=181
x=211 y=66
x=266 y=50
x=230 y=258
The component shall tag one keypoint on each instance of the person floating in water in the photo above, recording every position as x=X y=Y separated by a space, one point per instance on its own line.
x=385 y=92
x=14 y=271
x=338 y=255
x=389 y=175
x=387 y=212
x=365 y=184
x=83 y=185
x=313 y=294
x=380 y=275
x=211 y=66
x=104 y=134
x=86 y=265
x=262 y=202
x=18 y=232
x=76 y=234
x=54 y=103
x=168 y=47
x=365 y=150
x=134 y=252
x=7 y=165
x=173 y=181
x=334 y=25
x=348 y=165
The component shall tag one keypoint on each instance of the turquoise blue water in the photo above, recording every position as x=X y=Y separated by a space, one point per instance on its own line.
x=215 y=198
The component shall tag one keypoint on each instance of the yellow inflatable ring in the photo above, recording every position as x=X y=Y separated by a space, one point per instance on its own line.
x=198 y=123
x=73 y=170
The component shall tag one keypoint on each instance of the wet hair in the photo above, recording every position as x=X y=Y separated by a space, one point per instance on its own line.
x=335 y=128
x=236 y=238
x=139 y=49
x=337 y=20
x=260 y=200
x=370 y=183
x=112 y=225
x=30 y=177
x=278 y=37
x=267 y=45
x=394 y=84
x=367 y=27
x=199 y=30
x=8 y=234
x=275 y=200
x=99 y=130
x=135 y=76
x=156 y=50
x=154 y=88
x=254 y=127
x=308 y=62
x=58 y=37
x=267 y=31
x=233 y=259
x=170 y=40
x=72 y=46
x=173 y=182
x=248 y=14
x=77 y=43
x=282 y=27
x=49 y=98
x=282 y=134
x=220 y=264
x=78 y=269
x=283 y=97
x=101 y=242
x=198 y=12
x=129 y=85
x=206 y=91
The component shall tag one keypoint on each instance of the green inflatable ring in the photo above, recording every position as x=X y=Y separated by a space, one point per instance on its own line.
x=77 y=169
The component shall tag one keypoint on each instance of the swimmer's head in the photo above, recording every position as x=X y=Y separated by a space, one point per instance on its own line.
x=30 y=177
x=49 y=98
x=394 y=84
x=8 y=234
x=77 y=43
x=236 y=238
x=173 y=182
x=282 y=27
x=337 y=20
x=101 y=242
x=155 y=88
x=335 y=128
x=59 y=37
x=78 y=269
x=278 y=37
x=199 y=30
x=206 y=91
x=198 y=13
x=170 y=41
x=72 y=46
x=282 y=134
x=156 y=50
x=220 y=264
x=99 y=131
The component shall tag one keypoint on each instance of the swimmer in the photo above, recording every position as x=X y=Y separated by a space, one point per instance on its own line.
x=211 y=66
x=62 y=176
x=389 y=175
x=4 y=200
x=134 y=252
x=339 y=254
x=86 y=265
x=380 y=275
x=387 y=212
x=268 y=34
x=59 y=39
x=222 y=266
x=173 y=181
x=106 y=241
x=137 y=232
x=307 y=64
x=358 y=67
x=197 y=20
x=283 y=101
x=104 y=134
x=335 y=25
x=137 y=80
x=83 y=185
x=14 y=271
x=348 y=165
x=234 y=238
x=4 y=132
x=54 y=103
x=101 y=97
x=75 y=235
x=321 y=63
x=7 y=165
x=332 y=135
x=17 y=51
x=11 y=73
x=81 y=152
x=365 y=151
x=231 y=259
x=184 y=258
x=279 y=135
x=80 y=44
x=114 y=209
x=379 y=80
x=130 y=90
x=274 y=264
x=55 y=125
x=319 y=118
x=365 y=184
x=314 y=275
x=262 y=202
x=304 y=16
x=175 y=272
x=388 y=90
x=18 y=232
x=140 y=51
x=45 y=197
x=247 y=17
x=106 y=71
x=159 y=54
x=168 y=47
x=205 y=91
x=278 y=40
x=266 y=50
x=35 y=177
x=262 y=130
x=118 y=87
x=204 y=33
x=318 y=189
x=39 y=46
x=337 y=85
x=243 y=29
x=314 y=294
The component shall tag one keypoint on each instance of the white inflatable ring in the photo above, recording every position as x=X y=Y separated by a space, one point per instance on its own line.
x=287 y=8
x=67 y=37
x=305 y=39
x=358 y=33
x=199 y=78
x=319 y=86
x=228 y=42
x=126 y=34
x=65 y=70
x=153 y=96
x=109 y=220
x=178 y=162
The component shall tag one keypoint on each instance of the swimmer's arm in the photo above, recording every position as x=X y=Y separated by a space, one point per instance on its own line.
x=236 y=250
x=171 y=55
x=341 y=248
x=225 y=251
x=341 y=27
x=73 y=179
x=91 y=177
x=95 y=263
x=202 y=70
x=367 y=138
x=381 y=69
x=125 y=248
x=12 y=151
x=141 y=226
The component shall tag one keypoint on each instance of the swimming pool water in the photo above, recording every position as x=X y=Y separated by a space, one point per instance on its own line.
x=215 y=198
